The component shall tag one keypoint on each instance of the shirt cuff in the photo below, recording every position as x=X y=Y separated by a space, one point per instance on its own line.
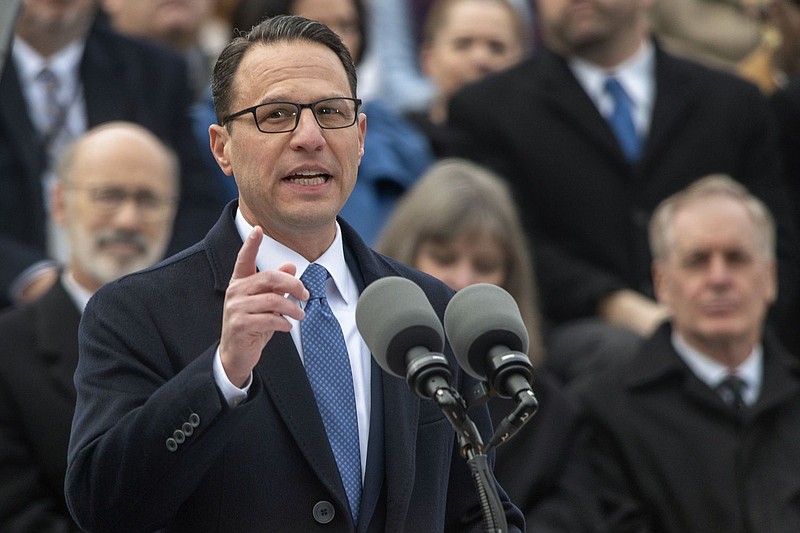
x=232 y=394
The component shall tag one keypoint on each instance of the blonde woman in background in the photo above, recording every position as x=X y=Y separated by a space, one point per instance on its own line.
x=459 y=224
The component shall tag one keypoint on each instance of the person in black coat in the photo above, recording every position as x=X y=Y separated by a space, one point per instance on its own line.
x=698 y=432
x=39 y=340
x=542 y=125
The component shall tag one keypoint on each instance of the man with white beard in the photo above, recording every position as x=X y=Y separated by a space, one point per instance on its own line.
x=116 y=198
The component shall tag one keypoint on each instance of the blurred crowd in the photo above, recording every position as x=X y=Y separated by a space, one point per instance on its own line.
x=629 y=170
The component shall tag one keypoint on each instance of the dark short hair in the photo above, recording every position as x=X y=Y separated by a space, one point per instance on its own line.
x=283 y=28
x=249 y=13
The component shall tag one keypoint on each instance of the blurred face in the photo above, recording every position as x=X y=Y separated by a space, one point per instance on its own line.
x=68 y=18
x=476 y=39
x=716 y=281
x=577 y=25
x=118 y=207
x=292 y=184
x=339 y=15
x=465 y=261
x=175 y=22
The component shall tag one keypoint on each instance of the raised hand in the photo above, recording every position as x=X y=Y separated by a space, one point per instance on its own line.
x=255 y=307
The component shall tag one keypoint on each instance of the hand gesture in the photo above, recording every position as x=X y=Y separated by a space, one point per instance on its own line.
x=255 y=307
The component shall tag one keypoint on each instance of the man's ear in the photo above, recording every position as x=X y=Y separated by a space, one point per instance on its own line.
x=59 y=203
x=659 y=287
x=362 y=132
x=771 y=272
x=219 y=139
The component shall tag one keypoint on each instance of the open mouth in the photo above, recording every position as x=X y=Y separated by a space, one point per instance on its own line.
x=309 y=178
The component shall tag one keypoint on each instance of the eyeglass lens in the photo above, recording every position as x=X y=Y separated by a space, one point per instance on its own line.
x=333 y=113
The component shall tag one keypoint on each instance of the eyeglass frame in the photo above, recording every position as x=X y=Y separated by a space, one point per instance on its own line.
x=154 y=213
x=299 y=107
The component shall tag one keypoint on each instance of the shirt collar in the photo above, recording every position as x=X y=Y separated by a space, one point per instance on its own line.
x=63 y=63
x=712 y=372
x=272 y=254
x=79 y=294
x=636 y=75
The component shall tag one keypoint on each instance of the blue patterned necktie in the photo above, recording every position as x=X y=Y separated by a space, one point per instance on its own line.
x=621 y=120
x=328 y=368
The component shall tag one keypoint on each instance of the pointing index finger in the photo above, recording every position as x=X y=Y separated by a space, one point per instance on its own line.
x=246 y=259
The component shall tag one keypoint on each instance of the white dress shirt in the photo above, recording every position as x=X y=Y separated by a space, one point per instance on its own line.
x=78 y=293
x=65 y=64
x=342 y=295
x=712 y=372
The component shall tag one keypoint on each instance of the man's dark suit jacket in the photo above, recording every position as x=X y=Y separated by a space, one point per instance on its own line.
x=585 y=207
x=38 y=354
x=672 y=457
x=147 y=344
x=123 y=79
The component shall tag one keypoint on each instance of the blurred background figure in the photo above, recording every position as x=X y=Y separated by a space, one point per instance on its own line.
x=397 y=31
x=757 y=39
x=777 y=61
x=395 y=152
x=116 y=197
x=459 y=224
x=592 y=132
x=177 y=24
x=462 y=42
x=67 y=74
x=699 y=431
x=718 y=33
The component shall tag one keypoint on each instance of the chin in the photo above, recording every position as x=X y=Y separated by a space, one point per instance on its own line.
x=111 y=268
x=722 y=331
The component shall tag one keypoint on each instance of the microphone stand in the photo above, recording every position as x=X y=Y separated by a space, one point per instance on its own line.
x=472 y=449
x=527 y=405
x=428 y=375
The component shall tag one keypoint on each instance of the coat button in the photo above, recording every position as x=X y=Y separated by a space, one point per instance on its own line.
x=172 y=444
x=179 y=436
x=323 y=512
x=187 y=429
x=194 y=419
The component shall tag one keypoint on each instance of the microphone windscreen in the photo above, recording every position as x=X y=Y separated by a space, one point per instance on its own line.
x=480 y=317
x=393 y=316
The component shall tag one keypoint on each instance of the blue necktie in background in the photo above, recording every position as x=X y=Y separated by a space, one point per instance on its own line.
x=328 y=368
x=621 y=120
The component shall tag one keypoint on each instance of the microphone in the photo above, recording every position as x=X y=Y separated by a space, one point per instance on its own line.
x=405 y=336
x=489 y=339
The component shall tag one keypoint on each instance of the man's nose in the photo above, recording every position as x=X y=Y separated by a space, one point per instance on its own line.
x=718 y=270
x=128 y=215
x=308 y=133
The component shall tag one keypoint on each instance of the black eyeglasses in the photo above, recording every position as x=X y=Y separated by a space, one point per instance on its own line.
x=283 y=117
